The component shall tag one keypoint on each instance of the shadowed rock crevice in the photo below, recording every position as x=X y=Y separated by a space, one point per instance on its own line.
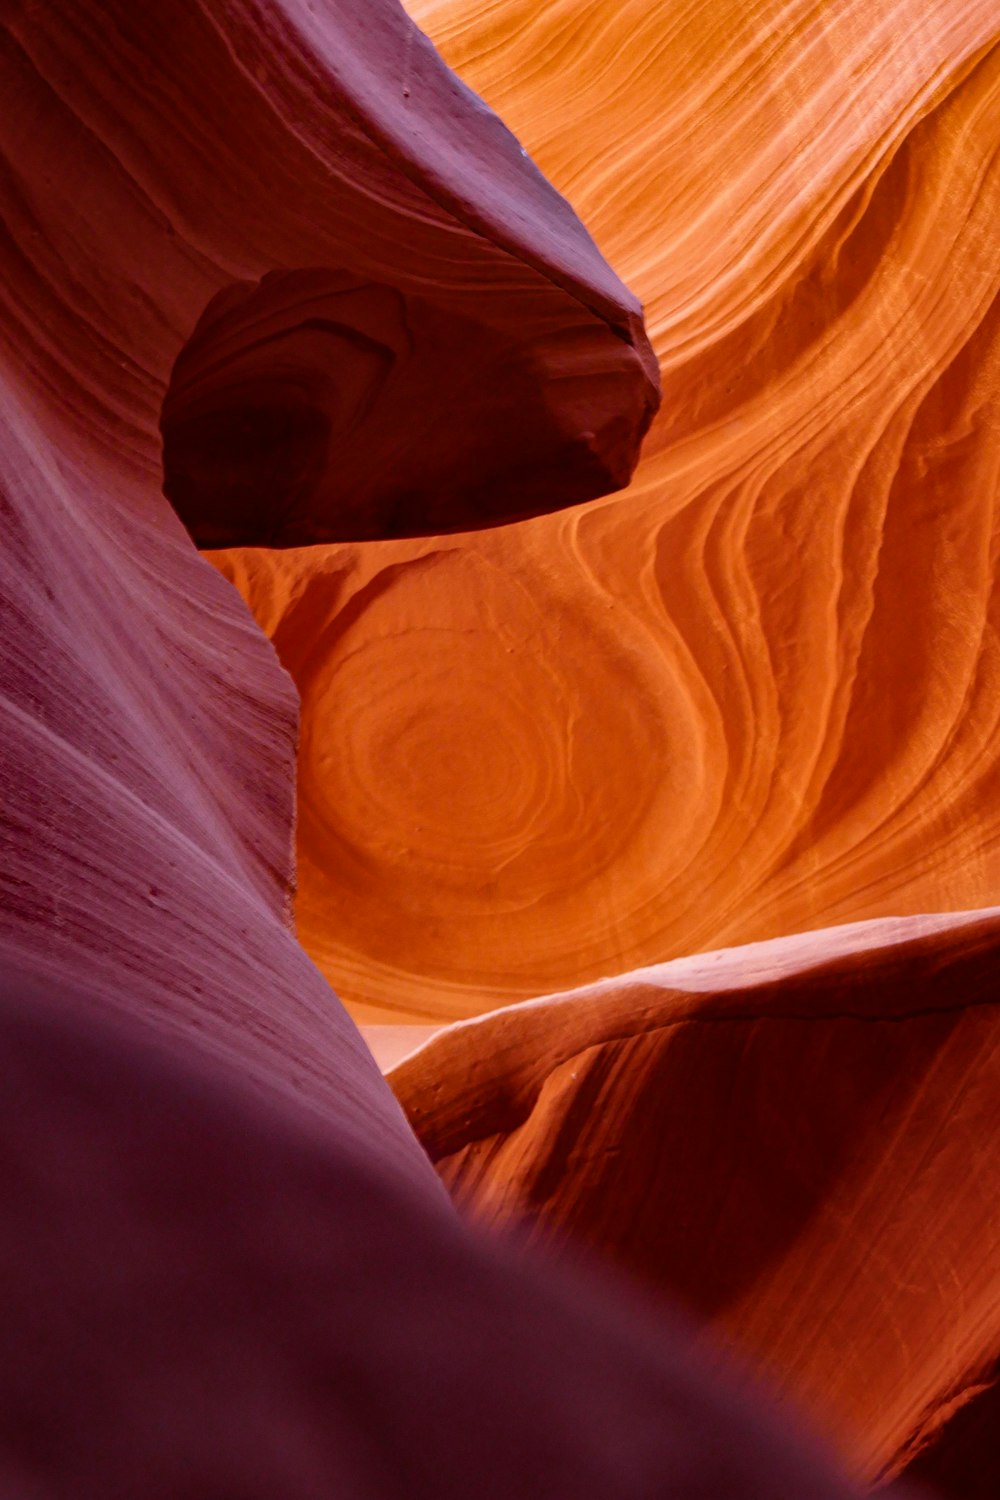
x=314 y=405
x=959 y=1456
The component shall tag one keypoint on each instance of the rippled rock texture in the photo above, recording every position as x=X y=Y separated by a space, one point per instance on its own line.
x=756 y=693
x=753 y=695
x=247 y=299
x=273 y=277
x=226 y=1266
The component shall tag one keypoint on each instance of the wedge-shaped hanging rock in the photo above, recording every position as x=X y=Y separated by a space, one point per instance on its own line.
x=442 y=346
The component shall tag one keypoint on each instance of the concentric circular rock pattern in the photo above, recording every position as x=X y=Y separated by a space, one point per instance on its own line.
x=757 y=692
x=750 y=699
x=444 y=773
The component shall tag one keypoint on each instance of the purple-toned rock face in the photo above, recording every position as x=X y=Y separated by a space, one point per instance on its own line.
x=171 y=166
x=379 y=317
x=205 y=1294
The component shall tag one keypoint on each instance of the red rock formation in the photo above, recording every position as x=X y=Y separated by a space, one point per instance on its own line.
x=225 y=1265
x=962 y=1461
x=797 y=1139
x=418 y=249
x=756 y=693
x=148 y=732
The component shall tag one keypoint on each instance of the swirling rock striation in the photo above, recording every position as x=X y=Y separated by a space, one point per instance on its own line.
x=756 y=693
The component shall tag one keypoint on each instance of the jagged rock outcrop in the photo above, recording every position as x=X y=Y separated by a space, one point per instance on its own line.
x=796 y=1139
x=754 y=694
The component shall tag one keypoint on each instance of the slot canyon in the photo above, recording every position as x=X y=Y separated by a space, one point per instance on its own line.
x=500 y=721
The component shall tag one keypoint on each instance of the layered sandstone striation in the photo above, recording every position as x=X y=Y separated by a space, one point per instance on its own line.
x=796 y=1140
x=268 y=240
x=272 y=276
x=226 y=1266
x=756 y=693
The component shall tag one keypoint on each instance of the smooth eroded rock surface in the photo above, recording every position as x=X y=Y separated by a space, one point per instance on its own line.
x=273 y=263
x=797 y=1140
x=205 y=1294
x=229 y=220
x=363 y=258
x=756 y=693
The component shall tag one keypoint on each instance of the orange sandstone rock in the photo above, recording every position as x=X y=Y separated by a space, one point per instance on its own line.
x=756 y=693
x=258 y=192
x=798 y=1139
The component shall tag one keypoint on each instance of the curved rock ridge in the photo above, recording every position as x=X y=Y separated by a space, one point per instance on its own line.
x=206 y=1294
x=337 y=223
x=756 y=693
x=795 y=1139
